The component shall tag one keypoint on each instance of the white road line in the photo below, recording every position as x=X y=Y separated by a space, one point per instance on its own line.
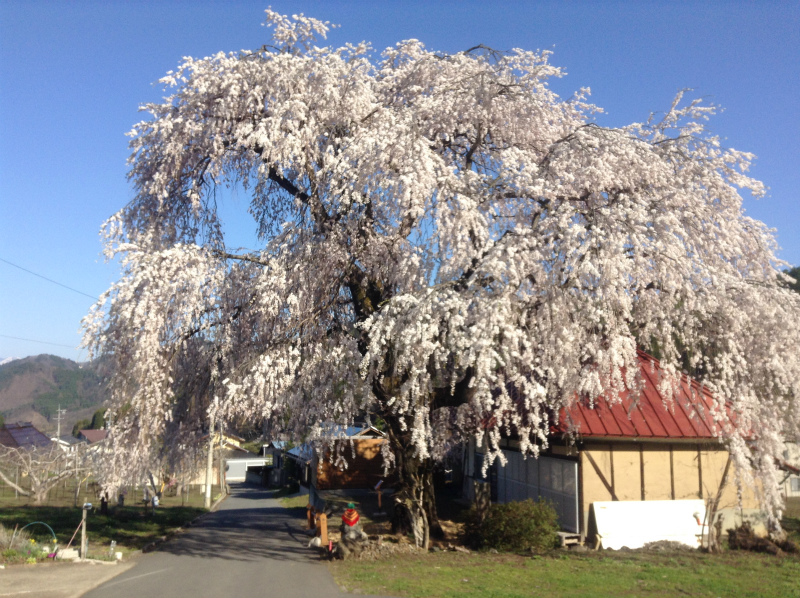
x=135 y=577
x=18 y=593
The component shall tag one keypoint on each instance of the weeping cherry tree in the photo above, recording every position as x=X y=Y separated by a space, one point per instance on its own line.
x=445 y=245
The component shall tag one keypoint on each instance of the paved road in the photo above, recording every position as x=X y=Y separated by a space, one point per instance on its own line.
x=250 y=546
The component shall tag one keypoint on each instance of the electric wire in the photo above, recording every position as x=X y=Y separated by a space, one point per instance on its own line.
x=50 y=280
x=30 y=340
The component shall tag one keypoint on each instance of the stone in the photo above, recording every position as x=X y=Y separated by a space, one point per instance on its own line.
x=67 y=554
x=578 y=548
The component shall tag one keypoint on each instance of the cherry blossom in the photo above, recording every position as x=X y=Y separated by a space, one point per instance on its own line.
x=447 y=246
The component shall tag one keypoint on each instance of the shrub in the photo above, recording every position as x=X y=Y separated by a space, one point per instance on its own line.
x=6 y=534
x=514 y=527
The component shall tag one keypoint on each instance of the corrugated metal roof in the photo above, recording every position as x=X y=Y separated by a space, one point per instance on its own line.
x=22 y=434
x=647 y=415
x=6 y=439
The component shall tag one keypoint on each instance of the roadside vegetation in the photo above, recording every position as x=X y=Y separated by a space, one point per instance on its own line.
x=132 y=527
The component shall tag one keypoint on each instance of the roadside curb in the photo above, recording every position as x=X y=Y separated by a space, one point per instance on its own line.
x=218 y=502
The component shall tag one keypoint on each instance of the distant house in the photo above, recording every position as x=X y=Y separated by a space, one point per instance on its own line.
x=92 y=436
x=273 y=454
x=23 y=435
x=68 y=443
x=237 y=461
x=637 y=449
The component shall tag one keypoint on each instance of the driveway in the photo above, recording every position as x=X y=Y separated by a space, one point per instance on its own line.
x=250 y=546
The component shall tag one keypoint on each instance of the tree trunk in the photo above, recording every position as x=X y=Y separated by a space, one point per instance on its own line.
x=415 y=499
x=40 y=495
x=16 y=487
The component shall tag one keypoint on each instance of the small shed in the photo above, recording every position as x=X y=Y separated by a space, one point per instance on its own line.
x=359 y=465
x=637 y=449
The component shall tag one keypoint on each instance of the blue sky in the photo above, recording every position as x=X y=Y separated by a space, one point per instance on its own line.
x=72 y=75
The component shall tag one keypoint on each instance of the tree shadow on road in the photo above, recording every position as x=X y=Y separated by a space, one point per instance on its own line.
x=246 y=534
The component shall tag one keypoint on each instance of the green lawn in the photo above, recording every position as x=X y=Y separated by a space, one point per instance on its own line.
x=565 y=575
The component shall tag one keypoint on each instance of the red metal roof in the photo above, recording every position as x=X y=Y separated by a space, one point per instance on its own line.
x=647 y=415
x=93 y=436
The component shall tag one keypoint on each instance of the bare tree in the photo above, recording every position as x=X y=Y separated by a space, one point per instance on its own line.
x=43 y=466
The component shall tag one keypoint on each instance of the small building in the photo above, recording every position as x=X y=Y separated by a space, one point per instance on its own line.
x=227 y=447
x=637 y=449
x=23 y=435
x=273 y=453
x=68 y=443
x=92 y=436
x=358 y=466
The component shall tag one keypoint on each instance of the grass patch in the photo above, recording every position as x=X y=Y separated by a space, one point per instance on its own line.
x=132 y=527
x=286 y=491
x=565 y=575
x=295 y=502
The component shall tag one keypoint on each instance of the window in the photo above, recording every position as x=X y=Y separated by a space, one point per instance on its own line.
x=794 y=483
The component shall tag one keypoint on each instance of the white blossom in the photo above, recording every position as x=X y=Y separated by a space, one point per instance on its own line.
x=447 y=245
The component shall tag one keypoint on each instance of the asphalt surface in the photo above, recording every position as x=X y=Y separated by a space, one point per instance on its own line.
x=249 y=546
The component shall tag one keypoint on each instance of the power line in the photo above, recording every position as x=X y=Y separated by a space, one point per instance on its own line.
x=50 y=280
x=30 y=340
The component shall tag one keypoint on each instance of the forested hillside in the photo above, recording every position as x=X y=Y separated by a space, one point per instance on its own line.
x=33 y=388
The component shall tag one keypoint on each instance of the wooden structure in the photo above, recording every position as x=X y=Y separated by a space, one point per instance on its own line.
x=364 y=466
x=353 y=463
x=638 y=449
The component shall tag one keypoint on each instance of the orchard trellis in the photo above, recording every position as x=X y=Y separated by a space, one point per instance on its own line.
x=437 y=230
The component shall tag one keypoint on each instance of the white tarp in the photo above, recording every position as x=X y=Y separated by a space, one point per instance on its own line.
x=635 y=523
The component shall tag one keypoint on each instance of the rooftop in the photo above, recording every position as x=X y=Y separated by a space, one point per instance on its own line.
x=689 y=415
x=22 y=435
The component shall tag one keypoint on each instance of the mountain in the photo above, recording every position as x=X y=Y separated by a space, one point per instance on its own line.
x=33 y=388
x=5 y=360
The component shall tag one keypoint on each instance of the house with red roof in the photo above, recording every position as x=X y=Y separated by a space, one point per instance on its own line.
x=92 y=436
x=639 y=448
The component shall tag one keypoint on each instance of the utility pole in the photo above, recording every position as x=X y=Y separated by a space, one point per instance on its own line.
x=84 y=543
x=210 y=463
x=59 y=413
